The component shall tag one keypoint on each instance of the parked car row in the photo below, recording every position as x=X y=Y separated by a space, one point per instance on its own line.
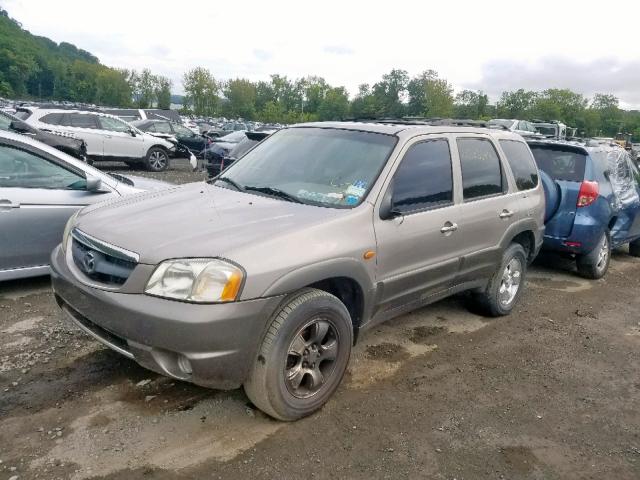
x=268 y=273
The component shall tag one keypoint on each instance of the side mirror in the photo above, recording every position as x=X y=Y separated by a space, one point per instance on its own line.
x=94 y=184
x=387 y=210
x=132 y=132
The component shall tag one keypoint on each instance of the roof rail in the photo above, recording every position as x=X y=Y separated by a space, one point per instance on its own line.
x=436 y=122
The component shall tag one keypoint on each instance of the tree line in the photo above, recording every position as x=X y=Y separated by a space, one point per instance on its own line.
x=33 y=67
x=396 y=95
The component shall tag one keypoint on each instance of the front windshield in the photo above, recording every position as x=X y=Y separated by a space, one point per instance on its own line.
x=320 y=166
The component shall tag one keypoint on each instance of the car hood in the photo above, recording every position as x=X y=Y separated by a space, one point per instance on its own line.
x=196 y=220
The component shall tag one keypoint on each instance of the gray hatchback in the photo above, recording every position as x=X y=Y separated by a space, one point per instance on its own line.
x=265 y=275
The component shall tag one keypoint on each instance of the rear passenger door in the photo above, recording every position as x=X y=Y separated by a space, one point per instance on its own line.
x=489 y=207
x=85 y=126
x=417 y=251
x=525 y=174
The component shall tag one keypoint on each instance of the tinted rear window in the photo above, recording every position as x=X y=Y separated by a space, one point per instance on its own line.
x=521 y=163
x=52 y=118
x=560 y=163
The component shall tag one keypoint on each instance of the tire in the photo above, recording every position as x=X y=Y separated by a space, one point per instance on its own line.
x=292 y=353
x=506 y=284
x=634 y=248
x=594 y=265
x=157 y=159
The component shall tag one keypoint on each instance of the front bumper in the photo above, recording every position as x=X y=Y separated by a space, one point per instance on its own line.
x=218 y=341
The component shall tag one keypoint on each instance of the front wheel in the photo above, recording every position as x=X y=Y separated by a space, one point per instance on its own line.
x=303 y=356
x=157 y=159
x=595 y=264
x=505 y=287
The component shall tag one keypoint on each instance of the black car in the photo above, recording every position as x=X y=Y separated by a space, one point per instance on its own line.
x=67 y=144
x=185 y=137
x=222 y=154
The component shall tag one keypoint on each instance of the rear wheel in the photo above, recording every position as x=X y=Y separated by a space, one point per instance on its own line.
x=504 y=288
x=303 y=356
x=157 y=159
x=595 y=264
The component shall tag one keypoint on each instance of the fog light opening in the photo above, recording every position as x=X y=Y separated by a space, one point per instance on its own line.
x=184 y=365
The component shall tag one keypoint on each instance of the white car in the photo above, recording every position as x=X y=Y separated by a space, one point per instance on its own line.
x=107 y=136
x=521 y=127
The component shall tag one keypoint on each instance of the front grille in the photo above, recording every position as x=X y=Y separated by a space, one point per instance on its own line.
x=100 y=261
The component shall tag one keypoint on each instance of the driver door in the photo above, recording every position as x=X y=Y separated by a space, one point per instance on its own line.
x=119 y=141
x=37 y=197
x=419 y=248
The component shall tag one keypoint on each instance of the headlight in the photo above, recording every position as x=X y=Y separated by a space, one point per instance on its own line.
x=67 y=231
x=200 y=280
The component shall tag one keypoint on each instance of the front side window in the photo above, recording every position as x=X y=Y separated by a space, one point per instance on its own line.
x=424 y=179
x=21 y=169
x=522 y=164
x=182 y=131
x=320 y=166
x=163 y=127
x=82 y=120
x=113 y=124
x=481 y=170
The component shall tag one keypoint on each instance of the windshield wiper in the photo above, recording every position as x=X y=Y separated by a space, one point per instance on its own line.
x=275 y=192
x=230 y=182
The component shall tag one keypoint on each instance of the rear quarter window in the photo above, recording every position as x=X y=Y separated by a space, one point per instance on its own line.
x=560 y=163
x=522 y=164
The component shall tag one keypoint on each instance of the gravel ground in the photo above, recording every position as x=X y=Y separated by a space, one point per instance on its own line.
x=551 y=392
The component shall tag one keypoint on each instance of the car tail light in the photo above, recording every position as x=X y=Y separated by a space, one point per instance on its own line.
x=588 y=193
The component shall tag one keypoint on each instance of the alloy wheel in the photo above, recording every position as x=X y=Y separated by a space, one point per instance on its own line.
x=311 y=357
x=510 y=283
x=603 y=254
x=158 y=160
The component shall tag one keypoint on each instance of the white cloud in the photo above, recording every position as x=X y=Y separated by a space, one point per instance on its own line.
x=349 y=43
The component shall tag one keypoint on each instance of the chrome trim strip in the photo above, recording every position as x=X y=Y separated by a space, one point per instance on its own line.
x=103 y=247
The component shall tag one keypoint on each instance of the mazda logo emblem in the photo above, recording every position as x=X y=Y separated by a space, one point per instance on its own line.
x=89 y=262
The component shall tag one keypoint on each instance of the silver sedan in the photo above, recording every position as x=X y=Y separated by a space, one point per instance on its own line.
x=40 y=188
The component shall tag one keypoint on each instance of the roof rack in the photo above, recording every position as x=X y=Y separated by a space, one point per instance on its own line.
x=434 y=122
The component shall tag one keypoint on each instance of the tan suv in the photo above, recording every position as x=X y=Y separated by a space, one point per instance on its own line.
x=265 y=275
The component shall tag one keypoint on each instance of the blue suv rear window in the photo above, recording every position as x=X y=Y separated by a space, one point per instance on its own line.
x=560 y=163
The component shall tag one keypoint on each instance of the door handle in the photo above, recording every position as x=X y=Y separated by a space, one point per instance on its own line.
x=449 y=227
x=107 y=136
x=506 y=214
x=6 y=205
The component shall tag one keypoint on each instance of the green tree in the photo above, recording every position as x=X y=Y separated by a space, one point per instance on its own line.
x=471 y=104
x=609 y=113
x=516 y=104
x=201 y=91
x=241 y=94
x=334 y=105
x=430 y=96
x=390 y=92
x=364 y=104
x=163 y=92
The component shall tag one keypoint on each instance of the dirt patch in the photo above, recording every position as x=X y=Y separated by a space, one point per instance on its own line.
x=519 y=459
x=424 y=334
x=388 y=352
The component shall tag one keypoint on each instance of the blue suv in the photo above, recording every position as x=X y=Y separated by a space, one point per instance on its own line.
x=593 y=201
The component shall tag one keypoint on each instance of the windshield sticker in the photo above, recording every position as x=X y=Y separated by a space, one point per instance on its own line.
x=351 y=200
x=331 y=197
x=358 y=188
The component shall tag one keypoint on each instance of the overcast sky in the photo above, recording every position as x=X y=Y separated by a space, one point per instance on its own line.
x=587 y=46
